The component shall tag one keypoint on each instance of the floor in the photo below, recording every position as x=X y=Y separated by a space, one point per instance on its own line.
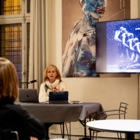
x=101 y=136
x=56 y=137
x=78 y=136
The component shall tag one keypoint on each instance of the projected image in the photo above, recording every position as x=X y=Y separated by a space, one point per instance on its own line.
x=123 y=46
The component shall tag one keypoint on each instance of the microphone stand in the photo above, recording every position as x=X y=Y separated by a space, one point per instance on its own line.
x=25 y=84
x=33 y=81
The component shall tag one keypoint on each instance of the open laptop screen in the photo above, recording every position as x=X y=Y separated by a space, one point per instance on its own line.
x=58 y=97
x=28 y=95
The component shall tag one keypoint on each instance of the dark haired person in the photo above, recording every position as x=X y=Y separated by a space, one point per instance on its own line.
x=13 y=116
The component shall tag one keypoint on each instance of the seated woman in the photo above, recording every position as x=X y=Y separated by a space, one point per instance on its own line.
x=12 y=116
x=52 y=82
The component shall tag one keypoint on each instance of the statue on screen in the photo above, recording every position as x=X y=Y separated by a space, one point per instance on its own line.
x=129 y=49
x=135 y=55
x=79 y=55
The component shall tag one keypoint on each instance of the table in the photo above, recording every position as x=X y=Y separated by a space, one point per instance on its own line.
x=53 y=113
x=90 y=110
x=117 y=125
x=49 y=113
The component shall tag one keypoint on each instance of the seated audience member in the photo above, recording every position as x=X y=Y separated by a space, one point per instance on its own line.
x=52 y=82
x=13 y=116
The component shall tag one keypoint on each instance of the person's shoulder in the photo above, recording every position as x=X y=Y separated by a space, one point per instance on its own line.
x=14 y=110
x=78 y=22
x=20 y=111
x=42 y=84
x=61 y=82
x=77 y=26
x=13 y=107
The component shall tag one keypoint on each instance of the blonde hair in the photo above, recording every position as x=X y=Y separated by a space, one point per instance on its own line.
x=8 y=82
x=46 y=72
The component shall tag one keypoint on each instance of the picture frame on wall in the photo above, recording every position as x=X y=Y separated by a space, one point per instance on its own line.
x=79 y=19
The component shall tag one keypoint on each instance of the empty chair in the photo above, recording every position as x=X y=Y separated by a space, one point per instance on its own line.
x=121 y=112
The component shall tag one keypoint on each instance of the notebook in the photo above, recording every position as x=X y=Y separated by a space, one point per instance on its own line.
x=58 y=97
x=28 y=95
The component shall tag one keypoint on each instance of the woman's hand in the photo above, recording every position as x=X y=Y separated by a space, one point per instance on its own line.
x=33 y=138
x=62 y=89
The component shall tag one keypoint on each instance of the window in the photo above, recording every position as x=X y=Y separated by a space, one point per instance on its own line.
x=10 y=7
x=15 y=35
x=10 y=45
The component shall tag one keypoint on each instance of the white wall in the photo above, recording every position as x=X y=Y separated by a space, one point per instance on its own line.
x=134 y=8
x=107 y=91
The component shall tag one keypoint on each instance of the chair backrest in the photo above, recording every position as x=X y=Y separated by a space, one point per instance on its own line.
x=7 y=134
x=122 y=109
x=16 y=134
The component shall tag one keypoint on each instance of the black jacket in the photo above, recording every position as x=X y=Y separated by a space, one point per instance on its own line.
x=16 y=118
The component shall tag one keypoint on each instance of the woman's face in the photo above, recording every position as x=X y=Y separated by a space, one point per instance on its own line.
x=52 y=74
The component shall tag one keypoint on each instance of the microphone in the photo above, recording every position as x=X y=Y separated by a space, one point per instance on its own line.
x=33 y=81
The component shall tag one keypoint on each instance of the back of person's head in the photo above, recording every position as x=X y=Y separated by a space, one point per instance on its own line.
x=50 y=67
x=8 y=82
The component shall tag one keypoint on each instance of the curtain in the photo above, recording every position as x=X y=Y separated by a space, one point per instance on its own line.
x=39 y=38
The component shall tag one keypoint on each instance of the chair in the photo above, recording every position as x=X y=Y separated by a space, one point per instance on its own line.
x=62 y=128
x=16 y=135
x=120 y=112
x=7 y=134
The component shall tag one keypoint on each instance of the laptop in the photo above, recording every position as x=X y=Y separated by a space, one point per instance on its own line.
x=58 y=97
x=28 y=95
